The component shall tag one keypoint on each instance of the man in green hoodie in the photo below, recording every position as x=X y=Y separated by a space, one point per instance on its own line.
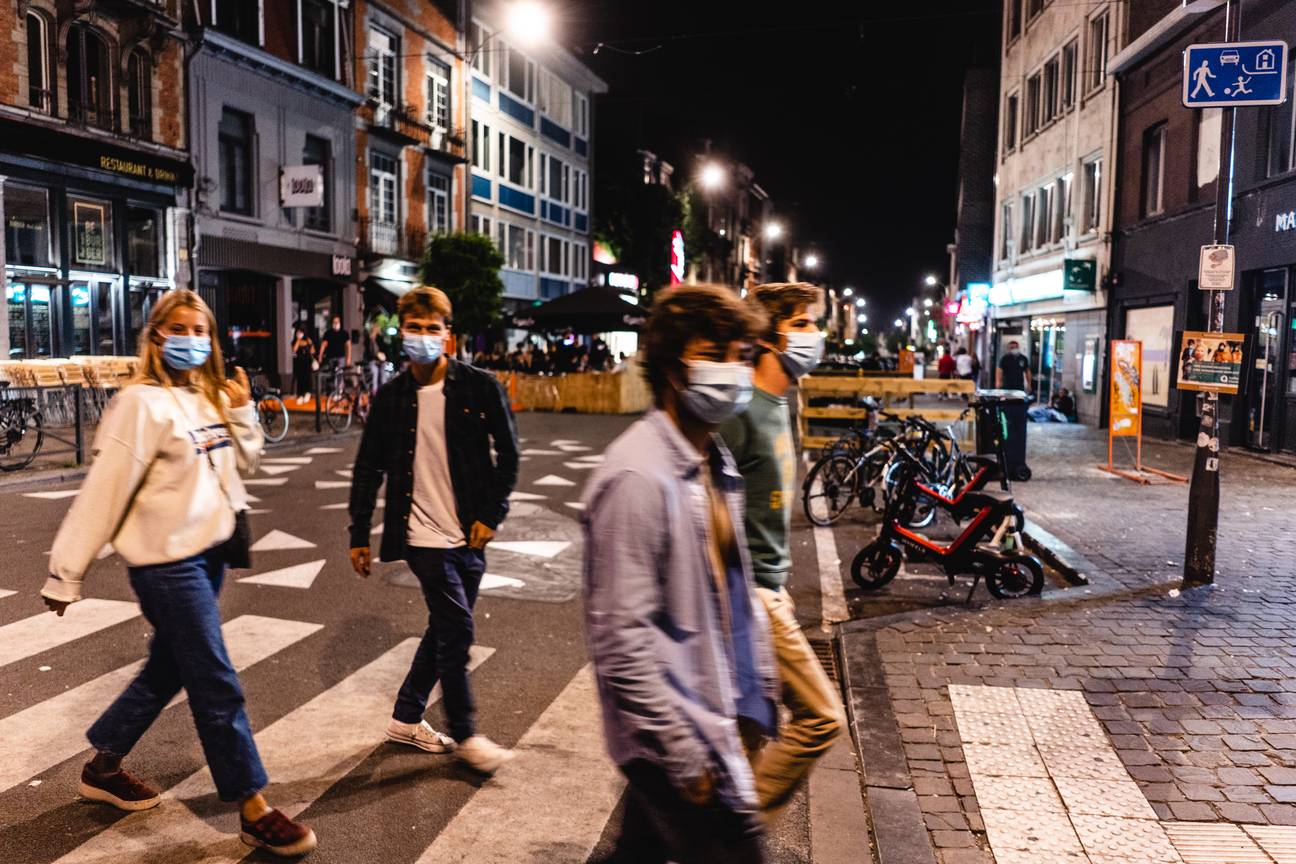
x=762 y=445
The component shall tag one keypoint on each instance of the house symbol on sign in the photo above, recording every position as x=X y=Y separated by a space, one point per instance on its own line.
x=1265 y=61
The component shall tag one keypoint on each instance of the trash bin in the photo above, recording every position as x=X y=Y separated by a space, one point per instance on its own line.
x=1001 y=418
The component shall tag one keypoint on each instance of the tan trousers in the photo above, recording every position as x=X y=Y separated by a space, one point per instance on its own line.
x=811 y=699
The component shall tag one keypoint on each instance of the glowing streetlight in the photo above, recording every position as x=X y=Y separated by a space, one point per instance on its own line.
x=859 y=304
x=930 y=280
x=927 y=302
x=712 y=176
x=848 y=292
x=529 y=22
x=863 y=319
x=899 y=323
x=773 y=231
x=812 y=261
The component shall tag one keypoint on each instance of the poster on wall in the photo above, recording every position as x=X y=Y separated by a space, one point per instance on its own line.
x=1154 y=327
x=90 y=245
x=1126 y=387
x=1211 y=361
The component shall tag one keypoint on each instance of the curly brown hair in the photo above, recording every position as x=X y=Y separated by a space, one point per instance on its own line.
x=781 y=300
x=687 y=312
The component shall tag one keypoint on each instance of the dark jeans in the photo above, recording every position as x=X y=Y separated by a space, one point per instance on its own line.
x=450 y=578
x=661 y=826
x=188 y=651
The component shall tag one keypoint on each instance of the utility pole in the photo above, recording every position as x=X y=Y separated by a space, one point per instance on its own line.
x=1203 y=494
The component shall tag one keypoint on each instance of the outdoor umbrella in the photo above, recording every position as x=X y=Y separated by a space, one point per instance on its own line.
x=590 y=310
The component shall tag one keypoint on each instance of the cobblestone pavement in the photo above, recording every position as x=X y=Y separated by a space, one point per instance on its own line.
x=1195 y=692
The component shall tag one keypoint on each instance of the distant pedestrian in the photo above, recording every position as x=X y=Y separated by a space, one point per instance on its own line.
x=303 y=352
x=963 y=364
x=761 y=441
x=375 y=354
x=430 y=432
x=680 y=646
x=165 y=490
x=1014 y=370
x=335 y=346
x=945 y=366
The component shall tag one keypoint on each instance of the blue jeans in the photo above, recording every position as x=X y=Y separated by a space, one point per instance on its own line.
x=450 y=579
x=188 y=651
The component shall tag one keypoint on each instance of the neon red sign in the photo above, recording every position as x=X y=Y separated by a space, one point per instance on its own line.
x=677 y=257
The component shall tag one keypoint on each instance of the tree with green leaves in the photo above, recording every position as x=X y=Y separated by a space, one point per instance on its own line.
x=466 y=267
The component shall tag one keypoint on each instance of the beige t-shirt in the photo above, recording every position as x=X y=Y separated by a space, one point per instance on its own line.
x=433 y=522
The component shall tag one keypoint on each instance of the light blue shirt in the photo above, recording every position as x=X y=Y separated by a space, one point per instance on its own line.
x=671 y=688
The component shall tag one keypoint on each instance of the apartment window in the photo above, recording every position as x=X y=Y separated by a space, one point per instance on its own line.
x=1044 y=214
x=556 y=254
x=438 y=95
x=1096 y=59
x=478 y=49
x=238 y=18
x=1154 y=141
x=518 y=246
x=481 y=146
x=582 y=116
x=235 y=144
x=1033 y=8
x=1052 y=80
x=515 y=161
x=139 y=94
x=1031 y=119
x=556 y=99
x=1061 y=208
x=383 y=202
x=28 y=238
x=1013 y=16
x=1091 y=180
x=1006 y=232
x=1208 y=145
x=1276 y=124
x=89 y=78
x=319 y=36
x=1027 y=223
x=480 y=225
x=1070 y=55
x=580 y=262
x=438 y=186
x=383 y=49
x=40 y=75
x=316 y=152
x=555 y=171
x=519 y=75
x=580 y=180
x=1010 y=122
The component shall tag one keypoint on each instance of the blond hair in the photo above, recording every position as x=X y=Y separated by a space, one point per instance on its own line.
x=209 y=378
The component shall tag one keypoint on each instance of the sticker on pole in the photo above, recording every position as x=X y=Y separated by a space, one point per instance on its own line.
x=1235 y=74
x=1216 y=270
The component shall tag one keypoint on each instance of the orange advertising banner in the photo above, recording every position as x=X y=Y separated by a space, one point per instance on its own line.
x=1126 y=388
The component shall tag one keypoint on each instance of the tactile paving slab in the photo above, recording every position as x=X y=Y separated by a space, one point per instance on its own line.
x=1214 y=843
x=1026 y=794
x=1138 y=840
x=978 y=728
x=1004 y=760
x=983 y=699
x=1039 y=701
x=1045 y=834
x=1093 y=763
x=1278 y=840
x=1068 y=729
x=1120 y=798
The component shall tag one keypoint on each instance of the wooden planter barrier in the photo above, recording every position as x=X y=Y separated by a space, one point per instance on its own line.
x=582 y=392
x=888 y=390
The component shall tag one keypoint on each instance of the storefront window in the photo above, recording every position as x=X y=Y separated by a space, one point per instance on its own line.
x=27 y=226
x=29 y=320
x=1291 y=350
x=91 y=226
x=1154 y=327
x=144 y=241
x=81 y=311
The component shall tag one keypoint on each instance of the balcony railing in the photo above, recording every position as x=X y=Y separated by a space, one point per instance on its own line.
x=399 y=123
x=391 y=240
x=448 y=141
x=92 y=117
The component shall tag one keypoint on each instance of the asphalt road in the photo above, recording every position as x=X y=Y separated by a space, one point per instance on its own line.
x=320 y=678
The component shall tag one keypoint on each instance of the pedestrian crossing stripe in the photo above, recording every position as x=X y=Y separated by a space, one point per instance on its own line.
x=296 y=576
x=343 y=472
x=574 y=448
x=279 y=469
x=562 y=441
x=265 y=481
x=561 y=756
x=538 y=548
x=526 y=496
x=576 y=505
x=332 y=484
x=321 y=451
x=46 y=631
x=553 y=480
x=277 y=540
x=53 y=730
x=5 y=592
x=52 y=496
x=580 y=466
x=535 y=452
x=490 y=581
x=287 y=460
x=305 y=753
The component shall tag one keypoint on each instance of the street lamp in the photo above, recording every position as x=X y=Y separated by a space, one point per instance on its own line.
x=860 y=303
x=848 y=292
x=899 y=323
x=931 y=280
x=863 y=319
x=529 y=22
x=773 y=231
x=811 y=261
x=712 y=176
x=927 y=302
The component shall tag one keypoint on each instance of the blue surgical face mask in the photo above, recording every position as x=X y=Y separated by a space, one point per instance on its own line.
x=423 y=348
x=803 y=353
x=716 y=391
x=183 y=353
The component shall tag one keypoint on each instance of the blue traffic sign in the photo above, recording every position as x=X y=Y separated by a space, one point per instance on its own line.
x=1232 y=74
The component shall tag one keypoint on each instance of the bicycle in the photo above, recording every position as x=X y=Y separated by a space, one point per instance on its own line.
x=21 y=430
x=271 y=412
x=349 y=399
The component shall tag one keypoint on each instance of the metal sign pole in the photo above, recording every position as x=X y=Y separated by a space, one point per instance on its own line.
x=1203 y=494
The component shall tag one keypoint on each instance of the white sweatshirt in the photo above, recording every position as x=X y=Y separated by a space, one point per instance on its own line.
x=150 y=490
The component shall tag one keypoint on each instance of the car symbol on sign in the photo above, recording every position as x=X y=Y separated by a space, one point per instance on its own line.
x=1230 y=57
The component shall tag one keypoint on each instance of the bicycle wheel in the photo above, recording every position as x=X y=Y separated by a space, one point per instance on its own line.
x=876 y=565
x=829 y=488
x=1016 y=577
x=21 y=436
x=274 y=417
x=338 y=411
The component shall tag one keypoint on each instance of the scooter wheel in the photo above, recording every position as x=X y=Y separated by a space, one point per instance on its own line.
x=1022 y=473
x=1016 y=577
x=875 y=565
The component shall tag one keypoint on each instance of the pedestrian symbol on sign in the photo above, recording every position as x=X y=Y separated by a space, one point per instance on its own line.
x=1201 y=75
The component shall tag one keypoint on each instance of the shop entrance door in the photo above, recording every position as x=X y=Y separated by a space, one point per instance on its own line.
x=1264 y=405
x=31 y=319
x=95 y=315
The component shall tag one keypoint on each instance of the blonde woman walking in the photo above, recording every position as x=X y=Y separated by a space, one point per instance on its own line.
x=165 y=490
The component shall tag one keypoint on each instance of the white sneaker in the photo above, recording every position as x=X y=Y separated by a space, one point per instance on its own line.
x=420 y=735
x=482 y=754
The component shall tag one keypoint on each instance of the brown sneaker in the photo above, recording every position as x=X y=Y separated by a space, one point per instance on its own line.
x=121 y=789
x=276 y=833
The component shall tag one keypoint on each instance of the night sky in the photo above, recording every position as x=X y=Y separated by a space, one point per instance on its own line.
x=847 y=112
